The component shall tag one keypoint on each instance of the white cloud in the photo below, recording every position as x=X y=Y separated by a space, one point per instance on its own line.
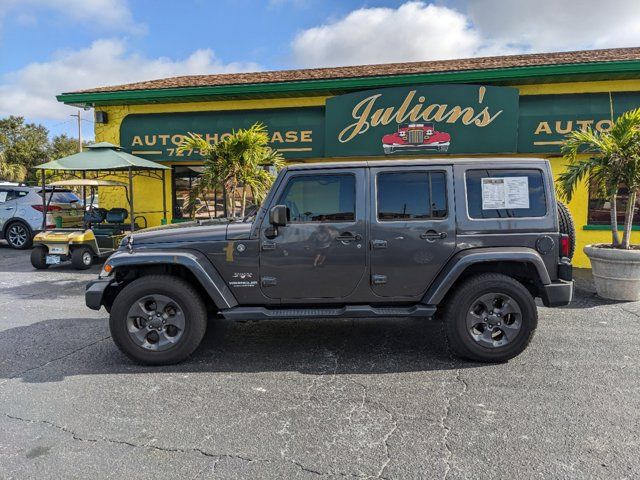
x=418 y=31
x=412 y=32
x=112 y=15
x=31 y=91
x=552 y=25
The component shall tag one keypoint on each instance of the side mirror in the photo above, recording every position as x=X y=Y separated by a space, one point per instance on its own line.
x=279 y=215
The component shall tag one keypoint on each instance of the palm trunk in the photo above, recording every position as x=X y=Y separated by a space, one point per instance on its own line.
x=615 y=240
x=244 y=200
x=234 y=187
x=628 y=221
x=225 y=200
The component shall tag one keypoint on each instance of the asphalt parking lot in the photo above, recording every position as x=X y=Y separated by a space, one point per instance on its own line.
x=334 y=398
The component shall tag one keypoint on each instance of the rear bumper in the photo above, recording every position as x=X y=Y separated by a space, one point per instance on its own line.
x=94 y=292
x=557 y=294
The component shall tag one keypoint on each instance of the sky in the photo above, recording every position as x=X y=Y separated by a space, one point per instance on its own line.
x=52 y=46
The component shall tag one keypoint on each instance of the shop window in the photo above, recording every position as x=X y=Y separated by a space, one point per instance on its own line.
x=411 y=196
x=600 y=208
x=320 y=198
x=208 y=204
x=505 y=193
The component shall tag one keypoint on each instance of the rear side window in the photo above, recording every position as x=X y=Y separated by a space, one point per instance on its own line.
x=321 y=198
x=411 y=196
x=62 y=197
x=7 y=195
x=505 y=193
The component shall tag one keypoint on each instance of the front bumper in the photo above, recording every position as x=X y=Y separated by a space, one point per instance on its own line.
x=94 y=292
x=558 y=293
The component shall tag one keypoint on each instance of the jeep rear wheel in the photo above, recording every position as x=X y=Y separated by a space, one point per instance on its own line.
x=490 y=318
x=567 y=226
x=158 y=320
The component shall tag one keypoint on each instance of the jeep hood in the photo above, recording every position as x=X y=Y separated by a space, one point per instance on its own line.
x=196 y=231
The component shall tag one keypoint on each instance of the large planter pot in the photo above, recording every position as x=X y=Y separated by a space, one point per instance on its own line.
x=616 y=272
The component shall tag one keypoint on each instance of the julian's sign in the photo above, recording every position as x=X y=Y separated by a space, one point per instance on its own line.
x=424 y=119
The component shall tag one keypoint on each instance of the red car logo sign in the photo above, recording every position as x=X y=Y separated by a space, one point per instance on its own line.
x=416 y=137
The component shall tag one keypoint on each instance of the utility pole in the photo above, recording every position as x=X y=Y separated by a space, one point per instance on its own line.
x=79 y=116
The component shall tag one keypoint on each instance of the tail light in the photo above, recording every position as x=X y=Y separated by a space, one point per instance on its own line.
x=564 y=245
x=50 y=208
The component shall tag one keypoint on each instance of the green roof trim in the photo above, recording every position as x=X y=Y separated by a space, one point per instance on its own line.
x=267 y=89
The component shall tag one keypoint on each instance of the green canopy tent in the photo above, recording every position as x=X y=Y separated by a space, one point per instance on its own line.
x=106 y=158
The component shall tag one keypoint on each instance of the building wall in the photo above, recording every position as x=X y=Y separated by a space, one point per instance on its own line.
x=148 y=193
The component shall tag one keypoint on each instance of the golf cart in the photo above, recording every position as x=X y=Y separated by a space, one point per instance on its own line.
x=102 y=230
x=100 y=234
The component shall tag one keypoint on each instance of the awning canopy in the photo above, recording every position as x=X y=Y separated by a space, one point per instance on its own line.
x=86 y=183
x=101 y=156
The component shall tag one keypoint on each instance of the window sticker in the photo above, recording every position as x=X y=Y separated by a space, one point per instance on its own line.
x=517 y=192
x=505 y=193
x=3 y=197
x=493 y=197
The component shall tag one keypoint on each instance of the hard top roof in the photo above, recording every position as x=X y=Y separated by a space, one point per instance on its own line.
x=431 y=161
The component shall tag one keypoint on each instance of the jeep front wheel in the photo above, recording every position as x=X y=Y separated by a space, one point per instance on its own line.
x=158 y=320
x=490 y=318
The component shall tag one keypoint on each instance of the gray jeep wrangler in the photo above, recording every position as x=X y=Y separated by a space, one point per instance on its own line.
x=473 y=241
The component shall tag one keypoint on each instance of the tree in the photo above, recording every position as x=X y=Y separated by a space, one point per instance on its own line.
x=608 y=160
x=239 y=161
x=63 y=146
x=11 y=171
x=23 y=144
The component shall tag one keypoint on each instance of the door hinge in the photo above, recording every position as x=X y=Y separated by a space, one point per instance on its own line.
x=378 y=279
x=268 y=281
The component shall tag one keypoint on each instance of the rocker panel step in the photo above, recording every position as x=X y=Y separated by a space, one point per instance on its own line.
x=349 y=311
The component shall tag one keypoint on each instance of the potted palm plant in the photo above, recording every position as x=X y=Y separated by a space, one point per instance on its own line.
x=609 y=161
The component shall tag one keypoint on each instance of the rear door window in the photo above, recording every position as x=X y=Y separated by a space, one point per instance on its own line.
x=505 y=193
x=411 y=196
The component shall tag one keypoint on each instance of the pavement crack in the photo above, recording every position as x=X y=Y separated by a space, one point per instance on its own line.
x=216 y=456
x=61 y=357
x=77 y=437
x=444 y=422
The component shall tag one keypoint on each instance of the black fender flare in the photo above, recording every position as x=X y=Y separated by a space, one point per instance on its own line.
x=196 y=262
x=459 y=263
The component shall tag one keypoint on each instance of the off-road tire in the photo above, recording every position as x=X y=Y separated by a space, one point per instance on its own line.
x=567 y=226
x=80 y=256
x=459 y=339
x=23 y=227
x=182 y=293
x=39 y=257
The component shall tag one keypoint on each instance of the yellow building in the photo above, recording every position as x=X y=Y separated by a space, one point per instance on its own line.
x=518 y=106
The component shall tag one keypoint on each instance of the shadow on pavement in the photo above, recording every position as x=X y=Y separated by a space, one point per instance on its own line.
x=51 y=350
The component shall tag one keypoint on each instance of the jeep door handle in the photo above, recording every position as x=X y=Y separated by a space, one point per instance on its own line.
x=349 y=237
x=433 y=235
